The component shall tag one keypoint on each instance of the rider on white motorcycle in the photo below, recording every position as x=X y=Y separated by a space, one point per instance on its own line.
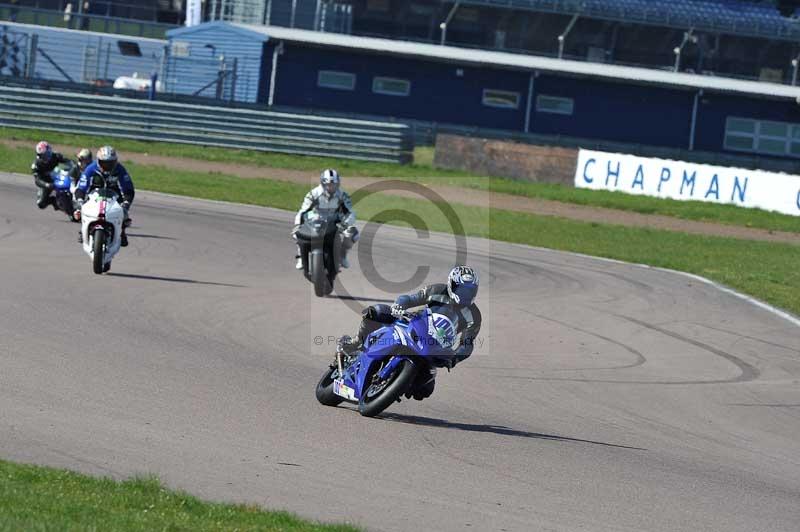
x=333 y=203
x=106 y=170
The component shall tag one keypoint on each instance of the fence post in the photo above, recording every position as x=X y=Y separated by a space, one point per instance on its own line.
x=108 y=61
x=30 y=66
x=233 y=79
x=163 y=68
x=153 y=82
x=220 y=77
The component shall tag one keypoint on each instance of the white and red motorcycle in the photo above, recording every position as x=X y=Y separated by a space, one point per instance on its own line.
x=102 y=218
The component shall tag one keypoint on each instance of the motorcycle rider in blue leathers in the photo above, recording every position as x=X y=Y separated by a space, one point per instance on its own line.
x=457 y=295
x=107 y=170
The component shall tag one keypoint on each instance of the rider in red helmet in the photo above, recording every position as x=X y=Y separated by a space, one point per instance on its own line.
x=46 y=161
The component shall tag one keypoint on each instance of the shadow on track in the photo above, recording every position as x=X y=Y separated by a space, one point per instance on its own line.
x=368 y=299
x=137 y=235
x=493 y=429
x=172 y=279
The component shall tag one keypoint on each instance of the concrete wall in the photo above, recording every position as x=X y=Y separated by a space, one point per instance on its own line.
x=527 y=162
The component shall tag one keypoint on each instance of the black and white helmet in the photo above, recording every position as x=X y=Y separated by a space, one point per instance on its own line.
x=107 y=159
x=329 y=179
x=462 y=285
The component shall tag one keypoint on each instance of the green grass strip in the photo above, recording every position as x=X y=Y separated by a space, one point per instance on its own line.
x=425 y=172
x=44 y=499
x=231 y=155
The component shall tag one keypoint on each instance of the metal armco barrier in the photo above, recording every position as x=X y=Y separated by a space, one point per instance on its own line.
x=205 y=125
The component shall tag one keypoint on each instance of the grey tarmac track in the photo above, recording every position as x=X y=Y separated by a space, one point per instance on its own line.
x=604 y=396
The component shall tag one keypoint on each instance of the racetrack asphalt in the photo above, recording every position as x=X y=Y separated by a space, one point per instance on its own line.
x=602 y=396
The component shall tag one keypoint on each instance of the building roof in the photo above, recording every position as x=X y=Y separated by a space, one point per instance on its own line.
x=241 y=29
x=469 y=56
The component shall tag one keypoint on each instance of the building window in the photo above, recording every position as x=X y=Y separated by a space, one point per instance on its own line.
x=762 y=136
x=554 y=104
x=331 y=79
x=502 y=99
x=391 y=86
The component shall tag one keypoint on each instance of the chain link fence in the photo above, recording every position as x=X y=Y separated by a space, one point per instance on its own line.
x=103 y=61
x=320 y=15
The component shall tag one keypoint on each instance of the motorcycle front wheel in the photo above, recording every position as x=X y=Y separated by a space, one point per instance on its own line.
x=380 y=395
x=325 y=393
x=98 y=251
x=317 y=272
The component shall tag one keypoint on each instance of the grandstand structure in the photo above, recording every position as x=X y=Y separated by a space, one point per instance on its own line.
x=733 y=38
x=736 y=38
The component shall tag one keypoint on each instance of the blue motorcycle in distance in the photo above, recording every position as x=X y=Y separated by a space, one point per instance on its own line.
x=398 y=359
x=64 y=188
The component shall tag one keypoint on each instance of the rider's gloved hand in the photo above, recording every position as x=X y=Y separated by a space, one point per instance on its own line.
x=397 y=310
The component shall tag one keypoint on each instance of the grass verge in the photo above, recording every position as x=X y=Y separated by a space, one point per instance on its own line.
x=41 y=498
x=230 y=155
x=764 y=270
x=424 y=171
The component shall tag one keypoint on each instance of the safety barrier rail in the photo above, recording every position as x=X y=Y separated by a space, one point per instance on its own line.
x=205 y=125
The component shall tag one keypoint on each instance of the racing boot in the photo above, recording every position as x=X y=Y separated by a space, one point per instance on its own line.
x=351 y=346
x=347 y=346
x=298 y=265
x=123 y=238
x=80 y=237
x=345 y=262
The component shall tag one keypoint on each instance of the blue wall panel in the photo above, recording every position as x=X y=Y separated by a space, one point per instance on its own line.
x=714 y=110
x=188 y=74
x=451 y=93
x=616 y=112
x=86 y=56
x=438 y=92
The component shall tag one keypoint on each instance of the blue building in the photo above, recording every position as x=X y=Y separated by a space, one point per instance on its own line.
x=78 y=56
x=293 y=68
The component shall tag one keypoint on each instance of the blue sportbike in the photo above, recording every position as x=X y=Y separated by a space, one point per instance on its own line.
x=64 y=189
x=398 y=359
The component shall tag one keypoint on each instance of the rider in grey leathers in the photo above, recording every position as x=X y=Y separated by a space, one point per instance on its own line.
x=333 y=203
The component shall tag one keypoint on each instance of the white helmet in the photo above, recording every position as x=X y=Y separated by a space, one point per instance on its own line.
x=107 y=159
x=329 y=179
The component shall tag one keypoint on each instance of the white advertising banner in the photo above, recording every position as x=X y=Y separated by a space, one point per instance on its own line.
x=193 y=12
x=679 y=180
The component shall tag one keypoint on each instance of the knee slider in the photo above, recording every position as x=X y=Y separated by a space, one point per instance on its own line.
x=352 y=234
